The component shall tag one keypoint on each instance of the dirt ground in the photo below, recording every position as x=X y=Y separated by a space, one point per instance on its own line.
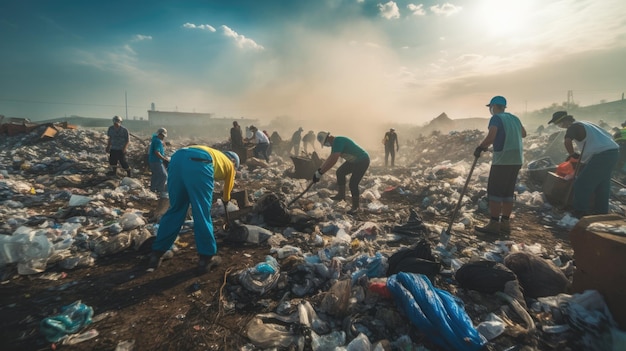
x=173 y=308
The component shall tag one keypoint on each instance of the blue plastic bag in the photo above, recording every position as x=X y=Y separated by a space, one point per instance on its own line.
x=437 y=313
x=72 y=318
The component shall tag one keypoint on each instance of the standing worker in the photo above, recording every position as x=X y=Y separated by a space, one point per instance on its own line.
x=295 y=141
x=158 y=163
x=308 y=139
x=391 y=146
x=192 y=172
x=357 y=162
x=505 y=133
x=118 y=141
x=236 y=137
x=599 y=156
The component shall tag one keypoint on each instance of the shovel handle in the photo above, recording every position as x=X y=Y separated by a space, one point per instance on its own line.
x=458 y=204
x=300 y=195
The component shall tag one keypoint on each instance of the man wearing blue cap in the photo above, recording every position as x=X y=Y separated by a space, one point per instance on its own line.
x=192 y=171
x=505 y=133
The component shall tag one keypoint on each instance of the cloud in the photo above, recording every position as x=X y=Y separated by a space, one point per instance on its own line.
x=199 y=26
x=389 y=10
x=141 y=37
x=446 y=9
x=241 y=41
x=416 y=10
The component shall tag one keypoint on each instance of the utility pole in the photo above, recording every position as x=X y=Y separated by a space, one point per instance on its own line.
x=570 y=98
x=126 y=103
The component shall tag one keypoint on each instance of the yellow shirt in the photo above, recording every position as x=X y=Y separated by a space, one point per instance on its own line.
x=223 y=169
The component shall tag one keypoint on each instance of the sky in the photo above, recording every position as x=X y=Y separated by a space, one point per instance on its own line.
x=331 y=61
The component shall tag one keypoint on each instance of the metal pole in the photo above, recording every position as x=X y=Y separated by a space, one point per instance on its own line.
x=126 y=102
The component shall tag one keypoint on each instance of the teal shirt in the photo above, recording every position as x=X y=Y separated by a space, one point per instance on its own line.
x=349 y=150
x=507 y=147
x=156 y=145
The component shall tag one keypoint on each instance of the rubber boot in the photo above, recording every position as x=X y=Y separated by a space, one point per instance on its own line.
x=161 y=207
x=492 y=228
x=205 y=263
x=128 y=173
x=355 y=206
x=156 y=257
x=505 y=227
x=341 y=193
x=112 y=172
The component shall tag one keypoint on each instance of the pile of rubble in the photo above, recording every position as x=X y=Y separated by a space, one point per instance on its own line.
x=379 y=280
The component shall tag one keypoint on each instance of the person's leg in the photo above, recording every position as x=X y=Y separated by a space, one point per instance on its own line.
x=114 y=156
x=154 y=177
x=603 y=164
x=124 y=163
x=392 y=152
x=584 y=185
x=257 y=151
x=200 y=188
x=173 y=219
x=495 y=201
x=386 y=156
x=341 y=173
x=263 y=152
x=358 y=171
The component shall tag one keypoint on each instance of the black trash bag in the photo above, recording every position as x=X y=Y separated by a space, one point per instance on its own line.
x=274 y=210
x=418 y=259
x=539 y=277
x=484 y=276
x=414 y=225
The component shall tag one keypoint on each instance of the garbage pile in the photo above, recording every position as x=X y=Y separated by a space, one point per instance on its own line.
x=379 y=280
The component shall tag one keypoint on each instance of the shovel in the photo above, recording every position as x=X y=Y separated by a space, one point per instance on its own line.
x=300 y=195
x=444 y=238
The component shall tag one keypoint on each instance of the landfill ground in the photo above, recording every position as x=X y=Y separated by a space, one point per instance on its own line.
x=174 y=308
x=163 y=310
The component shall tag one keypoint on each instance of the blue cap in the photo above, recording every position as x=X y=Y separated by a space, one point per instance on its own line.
x=233 y=156
x=497 y=100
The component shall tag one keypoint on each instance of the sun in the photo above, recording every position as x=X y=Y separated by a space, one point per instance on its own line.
x=505 y=18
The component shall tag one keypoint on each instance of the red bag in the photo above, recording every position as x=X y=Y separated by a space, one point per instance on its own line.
x=566 y=169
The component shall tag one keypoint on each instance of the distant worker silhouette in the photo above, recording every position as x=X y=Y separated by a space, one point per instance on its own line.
x=118 y=142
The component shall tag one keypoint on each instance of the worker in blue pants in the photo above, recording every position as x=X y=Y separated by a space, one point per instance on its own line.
x=191 y=174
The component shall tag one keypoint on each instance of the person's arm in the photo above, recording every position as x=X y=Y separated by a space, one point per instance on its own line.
x=523 y=132
x=491 y=136
x=127 y=141
x=397 y=144
x=330 y=162
x=108 y=148
x=229 y=184
x=569 y=146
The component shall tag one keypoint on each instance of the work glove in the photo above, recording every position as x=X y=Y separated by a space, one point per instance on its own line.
x=478 y=150
x=398 y=148
x=166 y=163
x=575 y=156
x=317 y=175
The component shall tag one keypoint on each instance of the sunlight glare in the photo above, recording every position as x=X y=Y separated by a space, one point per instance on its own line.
x=505 y=18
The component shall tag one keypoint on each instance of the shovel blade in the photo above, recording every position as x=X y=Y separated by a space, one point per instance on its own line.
x=444 y=238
